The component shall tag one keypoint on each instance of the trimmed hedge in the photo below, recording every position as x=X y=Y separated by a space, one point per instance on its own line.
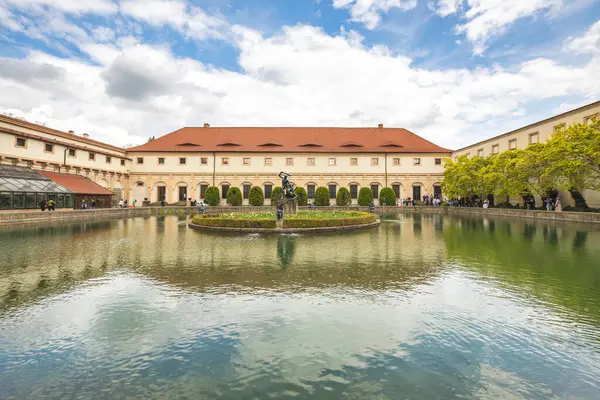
x=234 y=196
x=212 y=197
x=388 y=195
x=322 y=196
x=215 y=221
x=365 y=196
x=361 y=218
x=301 y=196
x=343 y=197
x=276 y=195
x=256 y=197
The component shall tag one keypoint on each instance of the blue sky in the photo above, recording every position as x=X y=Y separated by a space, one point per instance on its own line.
x=453 y=71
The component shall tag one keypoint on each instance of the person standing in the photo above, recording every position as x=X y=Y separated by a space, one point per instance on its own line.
x=125 y=204
x=51 y=205
x=558 y=207
x=134 y=203
x=121 y=203
x=43 y=205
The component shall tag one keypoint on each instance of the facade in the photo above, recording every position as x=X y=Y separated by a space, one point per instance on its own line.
x=180 y=166
x=534 y=133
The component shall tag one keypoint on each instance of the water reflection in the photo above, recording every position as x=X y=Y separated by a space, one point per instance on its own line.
x=423 y=307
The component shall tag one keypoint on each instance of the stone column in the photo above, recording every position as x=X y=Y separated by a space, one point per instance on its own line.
x=170 y=189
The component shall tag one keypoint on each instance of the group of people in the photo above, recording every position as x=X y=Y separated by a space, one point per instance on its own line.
x=50 y=205
x=124 y=203
x=85 y=205
x=435 y=201
x=550 y=204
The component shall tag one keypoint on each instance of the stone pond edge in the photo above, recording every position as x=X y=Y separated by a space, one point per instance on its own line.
x=284 y=230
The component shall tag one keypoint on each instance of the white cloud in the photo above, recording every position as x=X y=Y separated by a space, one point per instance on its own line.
x=589 y=43
x=369 y=12
x=192 y=21
x=103 y=34
x=69 y=6
x=448 y=7
x=488 y=18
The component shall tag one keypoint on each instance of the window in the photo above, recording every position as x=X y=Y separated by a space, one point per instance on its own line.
x=204 y=160
x=289 y=161
x=268 y=161
x=141 y=184
x=72 y=152
x=354 y=161
x=332 y=161
x=92 y=156
x=108 y=160
x=21 y=142
x=246 y=161
x=396 y=161
x=310 y=189
x=354 y=191
x=512 y=144
x=182 y=160
x=140 y=160
x=311 y=161
x=203 y=190
x=161 y=160
x=268 y=190
x=374 y=161
x=480 y=153
x=122 y=163
x=332 y=191
x=590 y=119
x=224 y=160
x=396 y=189
x=247 y=191
x=224 y=190
x=495 y=149
x=438 y=161
x=534 y=138
x=49 y=148
x=375 y=190
x=417 y=161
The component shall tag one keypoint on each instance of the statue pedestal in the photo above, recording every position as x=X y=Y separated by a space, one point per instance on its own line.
x=290 y=206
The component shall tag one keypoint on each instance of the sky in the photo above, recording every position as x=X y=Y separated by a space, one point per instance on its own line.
x=453 y=71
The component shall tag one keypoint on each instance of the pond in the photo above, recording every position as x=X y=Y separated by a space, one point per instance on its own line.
x=423 y=307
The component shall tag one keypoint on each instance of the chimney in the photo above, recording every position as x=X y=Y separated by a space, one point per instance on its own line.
x=206 y=125
x=72 y=132
x=380 y=126
x=85 y=135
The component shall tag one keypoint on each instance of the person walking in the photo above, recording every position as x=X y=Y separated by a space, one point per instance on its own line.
x=43 y=205
x=51 y=205
x=121 y=203
x=125 y=204
x=134 y=203
x=93 y=204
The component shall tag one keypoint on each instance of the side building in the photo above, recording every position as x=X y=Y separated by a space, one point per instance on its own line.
x=540 y=132
x=181 y=165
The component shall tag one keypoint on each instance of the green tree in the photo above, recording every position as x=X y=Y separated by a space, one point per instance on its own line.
x=343 y=197
x=322 y=196
x=301 y=196
x=234 y=196
x=505 y=177
x=365 y=196
x=533 y=169
x=276 y=195
x=212 y=196
x=468 y=177
x=256 y=197
x=388 y=195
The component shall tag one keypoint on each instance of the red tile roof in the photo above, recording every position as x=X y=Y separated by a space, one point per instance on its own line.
x=76 y=183
x=277 y=140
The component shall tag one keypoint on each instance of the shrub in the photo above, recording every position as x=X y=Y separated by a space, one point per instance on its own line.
x=343 y=197
x=217 y=221
x=212 y=197
x=301 y=196
x=322 y=196
x=365 y=196
x=360 y=218
x=444 y=204
x=276 y=195
x=256 y=196
x=234 y=196
x=388 y=195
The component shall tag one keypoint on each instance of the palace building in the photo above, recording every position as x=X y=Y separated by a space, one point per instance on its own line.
x=180 y=165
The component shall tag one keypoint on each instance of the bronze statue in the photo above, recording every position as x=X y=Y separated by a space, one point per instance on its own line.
x=287 y=186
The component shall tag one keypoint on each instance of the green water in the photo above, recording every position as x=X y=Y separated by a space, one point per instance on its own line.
x=423 y=307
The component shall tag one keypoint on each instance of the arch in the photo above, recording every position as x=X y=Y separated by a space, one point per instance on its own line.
x=198 y=189
x=416 y=190
x=332 y=193
x=398 y=188
x=138 y=192
x=156 y=193
x=222 y=186
x=103 y=182
x=437 y=191
x=118 y=184
x=375 y=188
x=181 y=192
